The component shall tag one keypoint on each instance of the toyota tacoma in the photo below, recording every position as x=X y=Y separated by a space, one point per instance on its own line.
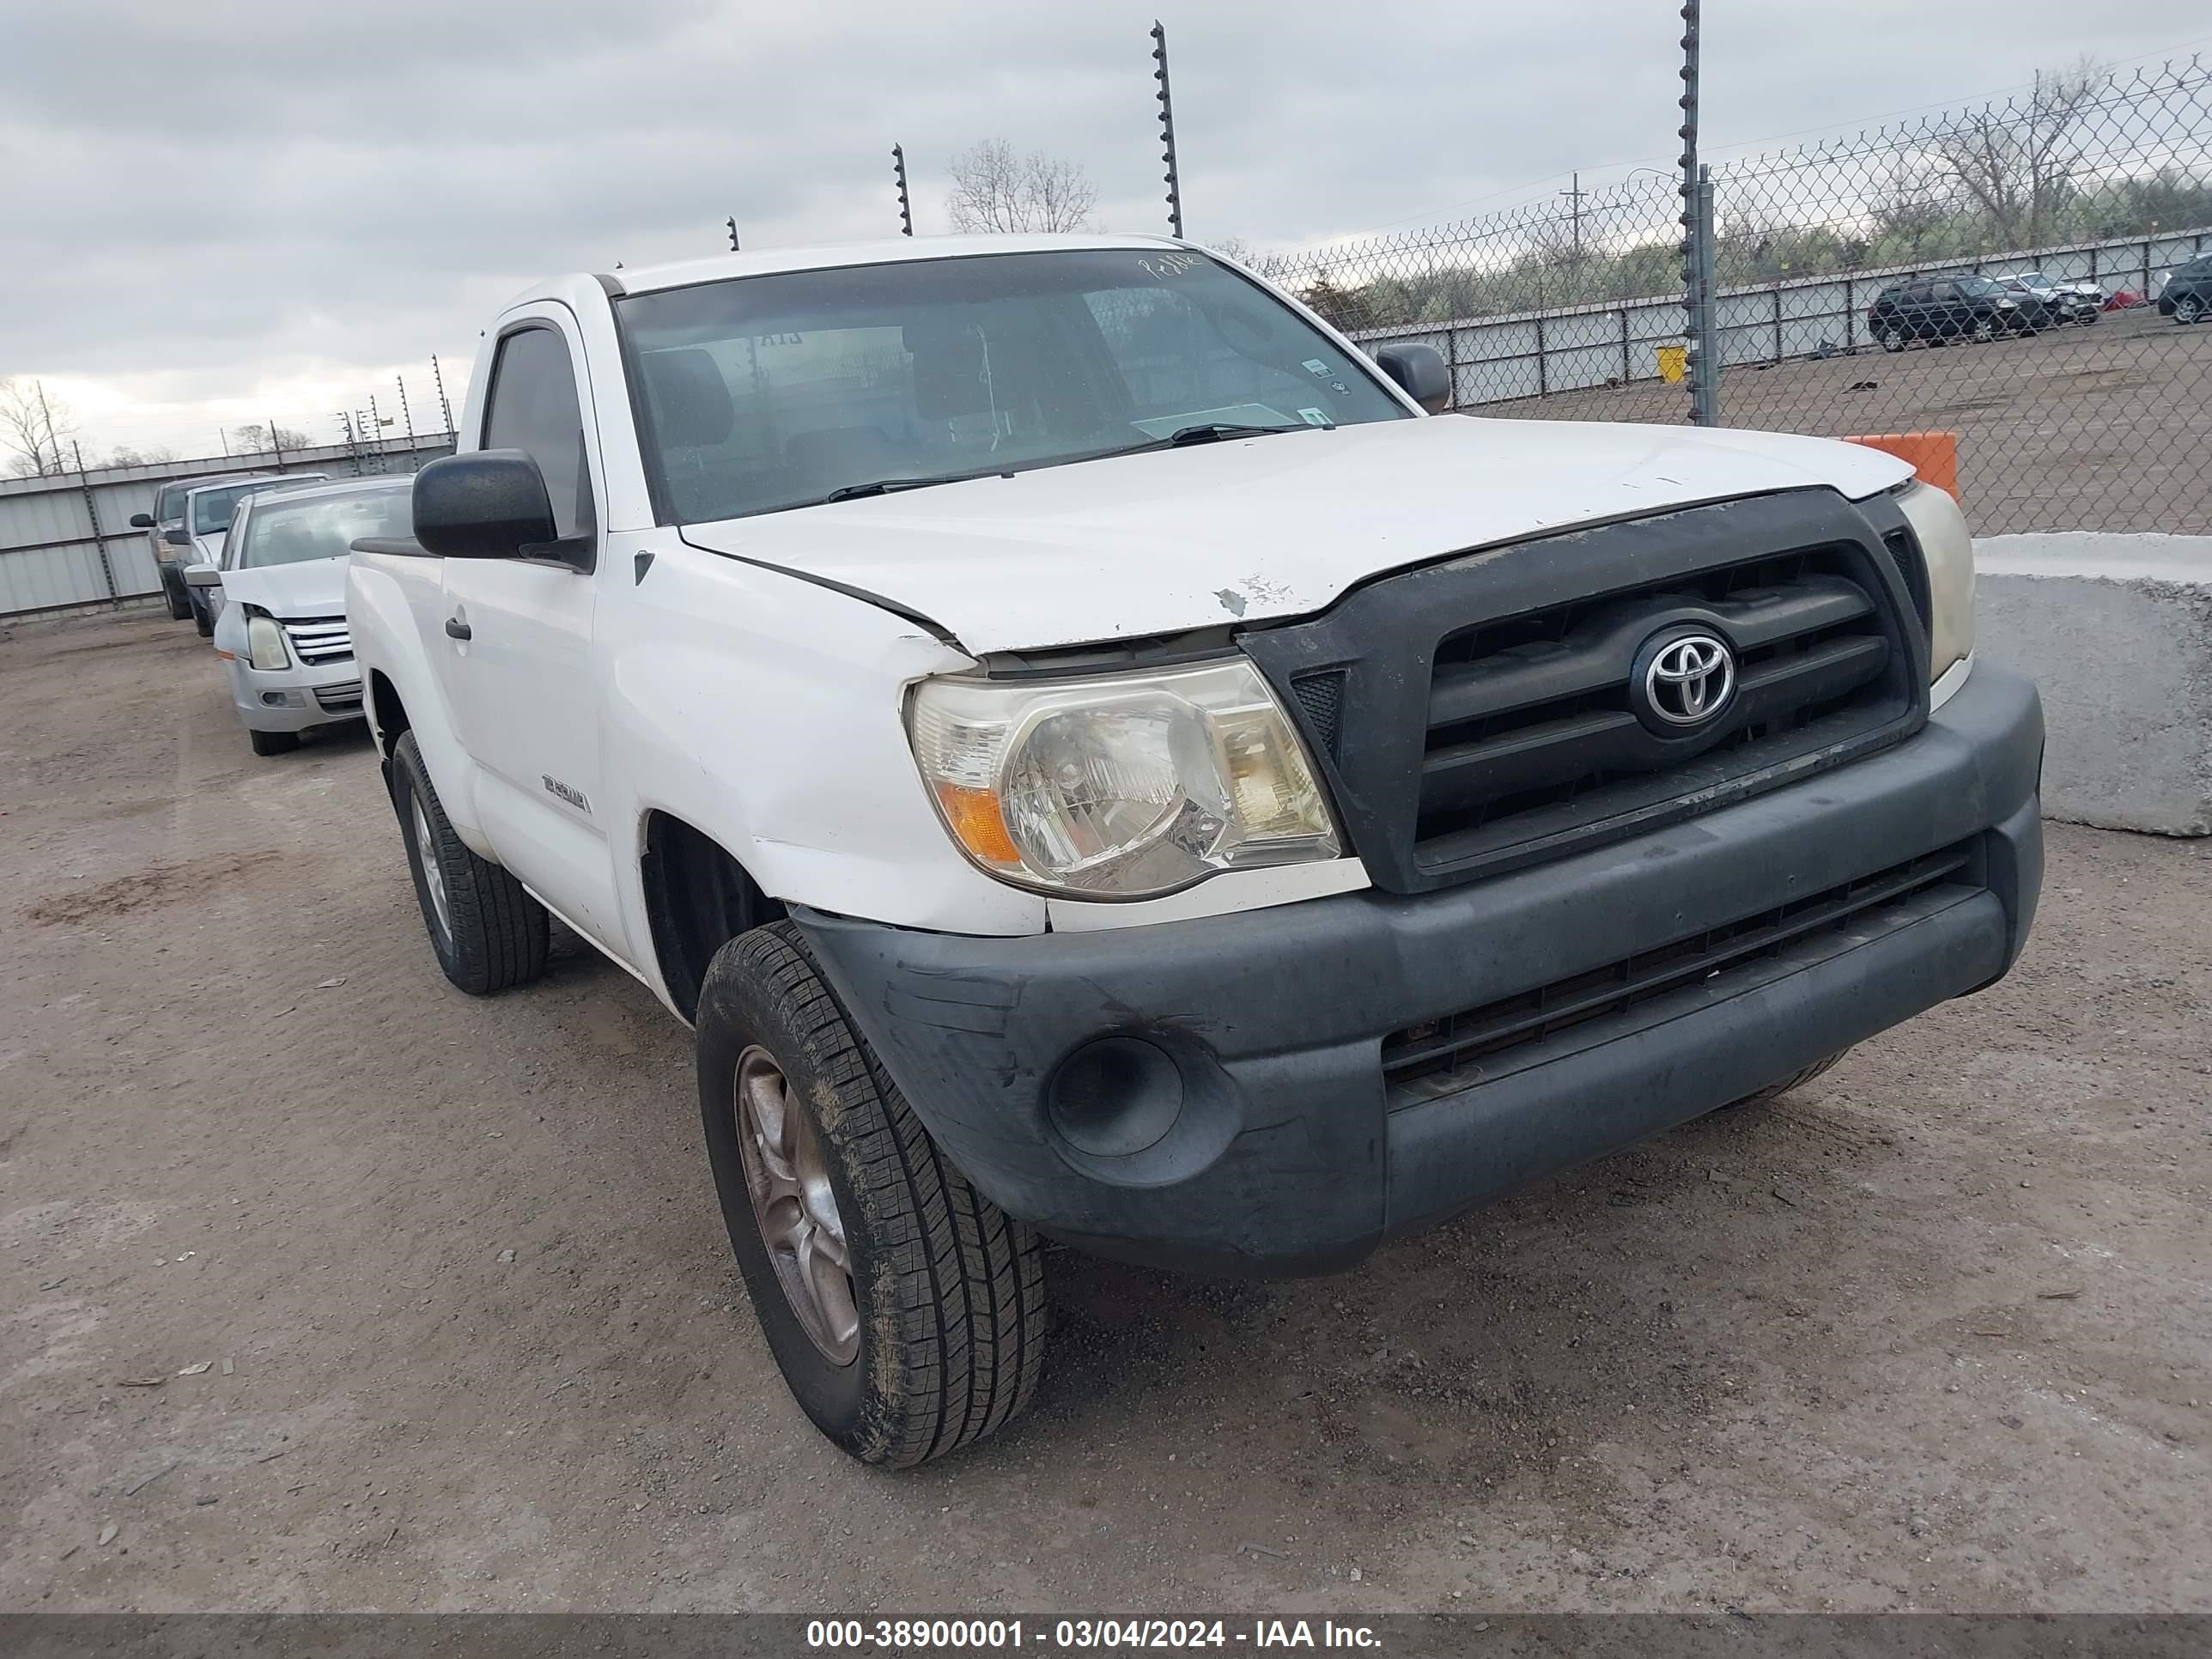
x=1095 y=757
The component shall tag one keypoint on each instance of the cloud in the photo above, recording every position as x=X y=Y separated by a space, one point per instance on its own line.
x=220 y=204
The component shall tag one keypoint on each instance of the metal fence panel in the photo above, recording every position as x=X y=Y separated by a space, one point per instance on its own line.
x=54 y=529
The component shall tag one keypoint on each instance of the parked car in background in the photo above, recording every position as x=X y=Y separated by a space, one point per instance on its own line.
x=1931 y=310
x=279 y=603
x=198 y=537
x=2186 y=294
x=2079 y=303
x=170 y=558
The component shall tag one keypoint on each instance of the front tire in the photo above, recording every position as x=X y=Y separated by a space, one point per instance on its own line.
x=202 y=619
x=273 y=743
x=906 y=1310
x=1985 y=330
x=488 y=933
x=174 y=596
x=2188 y=309
x=1892 y=339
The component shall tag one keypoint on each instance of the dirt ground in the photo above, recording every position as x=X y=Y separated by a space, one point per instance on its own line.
x=1936 y=1334
x=2103 y=427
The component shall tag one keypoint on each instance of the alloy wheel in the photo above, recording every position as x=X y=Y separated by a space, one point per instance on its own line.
x=434 y=874
x=787 y=1178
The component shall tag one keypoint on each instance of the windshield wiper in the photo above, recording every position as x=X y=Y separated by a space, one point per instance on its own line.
x=885 y=486
x=1213 y=431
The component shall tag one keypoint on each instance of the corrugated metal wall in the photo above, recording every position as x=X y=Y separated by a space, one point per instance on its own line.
x=68 y=541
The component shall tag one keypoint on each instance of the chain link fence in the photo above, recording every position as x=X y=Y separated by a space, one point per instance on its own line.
x=2021 y=274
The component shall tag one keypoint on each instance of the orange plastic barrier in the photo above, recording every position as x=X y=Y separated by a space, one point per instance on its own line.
x=1934 y=455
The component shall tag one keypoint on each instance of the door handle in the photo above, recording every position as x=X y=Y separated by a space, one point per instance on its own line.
x=458 y=629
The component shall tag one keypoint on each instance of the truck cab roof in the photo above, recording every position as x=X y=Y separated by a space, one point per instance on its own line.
x=890 y=250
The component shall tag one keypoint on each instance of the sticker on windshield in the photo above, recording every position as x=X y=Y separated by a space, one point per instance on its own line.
x=1160 y=266
x=1316 y=418
x=1315 y=366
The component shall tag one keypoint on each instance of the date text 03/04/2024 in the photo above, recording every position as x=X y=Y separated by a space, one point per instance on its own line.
x=1084 y=1634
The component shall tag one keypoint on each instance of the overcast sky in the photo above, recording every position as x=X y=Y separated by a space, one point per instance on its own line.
x=213 y=211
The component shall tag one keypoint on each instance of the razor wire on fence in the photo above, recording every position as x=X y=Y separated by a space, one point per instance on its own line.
x=2022 y=274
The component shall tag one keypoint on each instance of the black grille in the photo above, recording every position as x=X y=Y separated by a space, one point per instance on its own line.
x=1481 y=714
x=1459 y=1048
x=1532 y=721
x=1912 y=564
x=1321 y=696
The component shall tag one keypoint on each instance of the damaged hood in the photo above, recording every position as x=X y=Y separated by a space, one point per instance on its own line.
x=310 y=588
x=1253 y=529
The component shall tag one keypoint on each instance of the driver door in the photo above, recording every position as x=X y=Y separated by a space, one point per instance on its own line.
x=517 y=639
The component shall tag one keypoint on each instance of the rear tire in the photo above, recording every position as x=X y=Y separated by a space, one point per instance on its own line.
x=273 y=743
x=1796 y=1080
x=1985 y=330
x=1892 y=339
x=906 y=1310
x=488 y=933
x=2188 y=309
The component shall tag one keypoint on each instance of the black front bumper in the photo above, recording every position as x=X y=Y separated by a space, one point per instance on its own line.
x=1266 y=1136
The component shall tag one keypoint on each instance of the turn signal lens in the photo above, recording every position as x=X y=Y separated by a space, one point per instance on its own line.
x=973 y=818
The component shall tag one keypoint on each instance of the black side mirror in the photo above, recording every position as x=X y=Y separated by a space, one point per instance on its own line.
x=490 y=504
x=1421 y=373
x=179 y=536
x=141 y=521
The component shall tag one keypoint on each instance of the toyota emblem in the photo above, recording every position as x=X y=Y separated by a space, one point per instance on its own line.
x=1689 y=679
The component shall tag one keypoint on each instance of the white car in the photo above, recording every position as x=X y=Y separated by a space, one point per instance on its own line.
x=279 y=603
x=1091 y=755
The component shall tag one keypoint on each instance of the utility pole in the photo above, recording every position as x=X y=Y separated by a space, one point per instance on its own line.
x=1574 y=195
x=1167 y=130
x=731 y=221
x=1701 y=340
x=905 y=207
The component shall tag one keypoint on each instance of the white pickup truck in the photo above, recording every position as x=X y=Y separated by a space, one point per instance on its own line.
x=1094 y=758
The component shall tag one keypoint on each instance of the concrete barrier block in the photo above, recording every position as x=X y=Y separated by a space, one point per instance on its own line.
x=2116 y=630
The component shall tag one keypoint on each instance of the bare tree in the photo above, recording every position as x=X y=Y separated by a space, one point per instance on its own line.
x=994 y=190
x=35 y=427
x=2016 y=163
x=132 y=455
x=253 y=438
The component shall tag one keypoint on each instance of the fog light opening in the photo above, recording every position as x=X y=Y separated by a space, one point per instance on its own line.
x=1116 y=1098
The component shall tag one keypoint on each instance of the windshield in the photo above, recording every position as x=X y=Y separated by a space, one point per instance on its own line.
x=292 y=533
x=766 y=392
x=211 y=508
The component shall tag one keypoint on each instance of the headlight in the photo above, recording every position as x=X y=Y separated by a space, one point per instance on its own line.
x=1948 y=552
x=264 y=643
x=1124 y=787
